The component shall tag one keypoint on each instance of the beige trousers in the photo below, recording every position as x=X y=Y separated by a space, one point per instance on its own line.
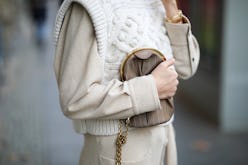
x=145 y=146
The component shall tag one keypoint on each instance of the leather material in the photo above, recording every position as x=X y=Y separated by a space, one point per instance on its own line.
x=140 y=63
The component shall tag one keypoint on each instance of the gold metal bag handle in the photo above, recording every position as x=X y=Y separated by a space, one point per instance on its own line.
x=133 y=53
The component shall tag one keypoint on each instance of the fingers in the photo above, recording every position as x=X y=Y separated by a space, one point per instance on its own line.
x=174 y=74
x=166 y=79
x=177 y=82
x=168 y=63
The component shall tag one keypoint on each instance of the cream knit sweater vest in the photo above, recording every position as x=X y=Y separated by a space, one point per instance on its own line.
x=120 y=26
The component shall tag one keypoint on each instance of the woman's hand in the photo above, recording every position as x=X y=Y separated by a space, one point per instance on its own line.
x=170 y=7
x=166 y=79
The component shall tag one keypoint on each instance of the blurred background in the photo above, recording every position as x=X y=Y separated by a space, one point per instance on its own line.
x=211 y=108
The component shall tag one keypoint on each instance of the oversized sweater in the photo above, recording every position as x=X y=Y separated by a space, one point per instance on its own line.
x=88 y=58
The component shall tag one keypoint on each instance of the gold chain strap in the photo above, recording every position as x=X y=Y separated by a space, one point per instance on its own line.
x=121 y=140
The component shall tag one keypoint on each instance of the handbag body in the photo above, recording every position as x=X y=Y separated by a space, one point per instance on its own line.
x=142 y=62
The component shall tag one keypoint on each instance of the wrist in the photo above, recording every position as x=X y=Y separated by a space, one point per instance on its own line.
x=170 y=7
x=177 y=18
x=173 y=14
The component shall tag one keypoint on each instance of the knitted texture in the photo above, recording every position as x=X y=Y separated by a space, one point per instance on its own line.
x=120 y=27
x=98 y=18
x=132 y=24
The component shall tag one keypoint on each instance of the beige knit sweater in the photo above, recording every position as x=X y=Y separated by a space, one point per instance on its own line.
x=95 y=107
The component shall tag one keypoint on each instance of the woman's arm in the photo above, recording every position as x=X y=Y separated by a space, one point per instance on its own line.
x=185 y=48
x=184 y=45
x=79 y=71
x=171 y=9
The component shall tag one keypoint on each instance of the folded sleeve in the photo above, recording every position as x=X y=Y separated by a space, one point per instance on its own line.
x=185 y=48
x=79 y=72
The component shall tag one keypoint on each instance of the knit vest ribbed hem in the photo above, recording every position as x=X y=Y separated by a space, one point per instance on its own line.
x=103 y=127
x=96 y=127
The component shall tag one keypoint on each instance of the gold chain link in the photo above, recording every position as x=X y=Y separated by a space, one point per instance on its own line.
x=121 y=140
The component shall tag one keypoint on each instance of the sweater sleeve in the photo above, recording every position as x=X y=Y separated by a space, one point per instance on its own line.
x=185 y=48
x=79 y=72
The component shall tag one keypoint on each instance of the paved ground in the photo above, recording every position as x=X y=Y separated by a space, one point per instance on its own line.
x=201 y=143
x=33 y=130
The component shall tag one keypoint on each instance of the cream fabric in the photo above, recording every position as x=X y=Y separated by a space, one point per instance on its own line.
x=185 y=48
x=145 y=146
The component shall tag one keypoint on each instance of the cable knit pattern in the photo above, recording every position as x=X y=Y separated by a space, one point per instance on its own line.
x=120 y=23
x=129 y=27
x=120 y=26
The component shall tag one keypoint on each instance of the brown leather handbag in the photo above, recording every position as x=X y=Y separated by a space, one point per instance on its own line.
x=142 y=62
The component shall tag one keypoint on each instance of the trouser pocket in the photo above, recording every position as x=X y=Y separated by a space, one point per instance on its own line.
x=144 y=146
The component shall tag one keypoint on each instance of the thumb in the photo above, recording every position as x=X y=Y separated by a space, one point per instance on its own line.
x=169 y=62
